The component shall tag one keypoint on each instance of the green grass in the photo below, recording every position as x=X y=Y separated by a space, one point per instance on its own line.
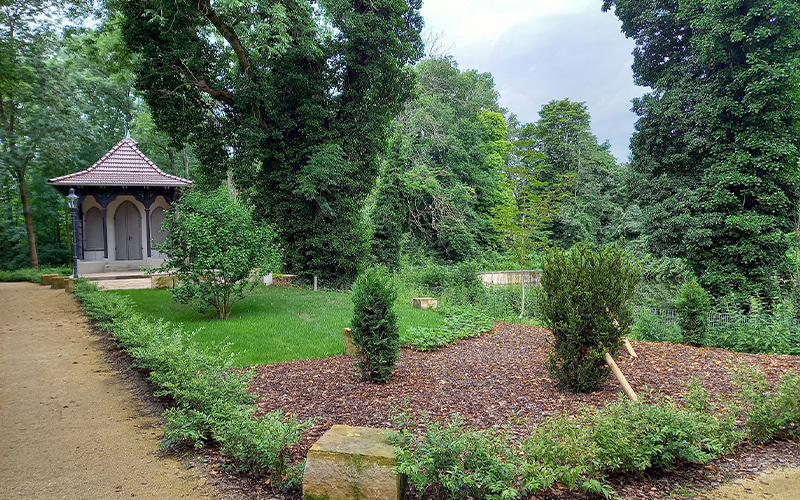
x=275 y=323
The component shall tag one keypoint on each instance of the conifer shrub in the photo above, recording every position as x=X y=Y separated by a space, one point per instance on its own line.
x=584 y=301
x=374 y=324
x=692 y=305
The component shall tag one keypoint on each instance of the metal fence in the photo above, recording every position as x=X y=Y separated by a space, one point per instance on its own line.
x=751 y=333
x=717 y=320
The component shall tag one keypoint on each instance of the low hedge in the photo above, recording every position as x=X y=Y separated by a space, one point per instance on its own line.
x=210 y=401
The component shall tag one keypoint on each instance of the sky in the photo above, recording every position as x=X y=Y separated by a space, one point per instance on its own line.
x=544 y=50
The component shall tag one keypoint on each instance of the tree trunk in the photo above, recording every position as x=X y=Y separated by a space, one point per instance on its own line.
x=26 y=212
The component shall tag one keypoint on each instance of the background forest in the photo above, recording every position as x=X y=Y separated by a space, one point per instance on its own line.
x=335 y=124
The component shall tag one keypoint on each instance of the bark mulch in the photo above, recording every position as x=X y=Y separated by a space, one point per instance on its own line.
x=499 y=378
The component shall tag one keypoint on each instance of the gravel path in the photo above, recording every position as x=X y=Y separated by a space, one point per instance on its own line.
x=69 y=428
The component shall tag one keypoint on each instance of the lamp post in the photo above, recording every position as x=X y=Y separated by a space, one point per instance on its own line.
x=72 y=200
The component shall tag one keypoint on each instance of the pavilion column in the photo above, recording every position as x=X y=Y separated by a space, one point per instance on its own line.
x=105 y=231
x=147 y=225
x=79 y=228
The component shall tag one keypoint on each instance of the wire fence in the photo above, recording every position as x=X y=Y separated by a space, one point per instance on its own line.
x=749 y=333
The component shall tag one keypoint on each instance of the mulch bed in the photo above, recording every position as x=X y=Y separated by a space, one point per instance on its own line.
x=500 y=378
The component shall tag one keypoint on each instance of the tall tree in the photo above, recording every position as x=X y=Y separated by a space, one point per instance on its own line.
x=454 y=144
x=717 y=140
x=23 y=43
x=292 y=97
x=570 y=153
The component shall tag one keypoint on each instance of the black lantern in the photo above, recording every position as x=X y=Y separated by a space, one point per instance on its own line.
x=72 y=201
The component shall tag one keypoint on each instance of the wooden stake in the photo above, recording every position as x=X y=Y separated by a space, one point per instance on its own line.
x=629 y=347
x=622 y=381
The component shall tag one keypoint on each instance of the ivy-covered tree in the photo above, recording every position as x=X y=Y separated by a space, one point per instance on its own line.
x=718 y=138
x=292 y=98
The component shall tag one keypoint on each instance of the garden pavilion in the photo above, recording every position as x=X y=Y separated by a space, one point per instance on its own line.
x=121 y=204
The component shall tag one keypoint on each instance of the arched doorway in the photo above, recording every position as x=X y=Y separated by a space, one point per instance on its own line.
x=128 y=231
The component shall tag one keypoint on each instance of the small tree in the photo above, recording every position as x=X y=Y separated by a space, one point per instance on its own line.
x=693 y=304
x=213 y=247
x=584 y=301
x=374 y=324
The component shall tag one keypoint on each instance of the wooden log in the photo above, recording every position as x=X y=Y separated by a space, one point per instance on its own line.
x=622 y=381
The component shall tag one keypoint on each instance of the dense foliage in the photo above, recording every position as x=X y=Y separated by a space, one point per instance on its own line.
x=215 y=250
x=443 y=175
x=375 y=325
x=718 y=138
x=450 y=460
x=584 y=300
x=564 y=159
x=293 y=99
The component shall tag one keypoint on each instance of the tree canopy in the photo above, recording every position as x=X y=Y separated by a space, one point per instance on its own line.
x=717 y=143
x=443 y=175
x=292 y=98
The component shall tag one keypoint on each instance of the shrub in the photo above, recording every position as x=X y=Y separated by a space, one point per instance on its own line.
x=457 y=285
x=776 y=333
x=32 y=275
x=692 y=305
x=577 y=451
x=459 y=323
x=768 y=415
x=584 y=300
x=457 y=461
x=649 y=327
x=374 y=324
x=213 y=246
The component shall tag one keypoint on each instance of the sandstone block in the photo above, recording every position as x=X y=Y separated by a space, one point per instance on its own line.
x=58 y=282
x=160 y=282
x=47 y=279
x=350 y=347
x=425 y=303
x=352 y=463
x=69 y=285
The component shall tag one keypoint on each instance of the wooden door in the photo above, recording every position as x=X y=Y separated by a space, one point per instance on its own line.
x=128 y=229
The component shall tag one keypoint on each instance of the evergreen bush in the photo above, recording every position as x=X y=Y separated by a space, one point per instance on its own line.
x=692 y=305
x=374 y=324
x=584 y=300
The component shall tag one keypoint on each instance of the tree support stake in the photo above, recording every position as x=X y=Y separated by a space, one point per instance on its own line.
x=622 y=381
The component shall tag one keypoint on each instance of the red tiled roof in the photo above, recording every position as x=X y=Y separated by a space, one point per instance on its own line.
x=124 y=165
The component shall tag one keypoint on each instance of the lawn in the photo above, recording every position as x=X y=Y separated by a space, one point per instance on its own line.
x=275 y=323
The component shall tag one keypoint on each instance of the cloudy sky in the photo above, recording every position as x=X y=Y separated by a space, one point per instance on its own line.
x=541 y=50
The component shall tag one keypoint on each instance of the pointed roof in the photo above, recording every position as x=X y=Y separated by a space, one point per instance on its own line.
x=123 y=165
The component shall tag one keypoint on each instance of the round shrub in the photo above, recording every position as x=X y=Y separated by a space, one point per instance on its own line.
x=374 y=325
x=584 y=300
x=692 y=305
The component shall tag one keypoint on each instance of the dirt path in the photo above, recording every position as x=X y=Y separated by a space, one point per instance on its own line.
x=775 y=485
x=69 y=428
